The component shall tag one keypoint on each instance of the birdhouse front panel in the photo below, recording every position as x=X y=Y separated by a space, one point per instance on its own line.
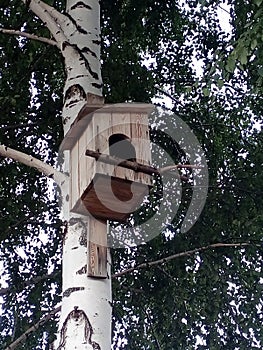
x=107 y=191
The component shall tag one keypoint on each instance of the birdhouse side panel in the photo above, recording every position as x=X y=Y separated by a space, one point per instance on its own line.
x=102 y=129
x=141 y=140
x=74 y=175
x=141 y=137
x=83 y=168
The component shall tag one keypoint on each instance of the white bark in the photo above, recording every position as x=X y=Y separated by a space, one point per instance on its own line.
x=29 y=36
x=86 y=305
x=85 y=321
x=82 y=56
x=32 y=162
x=77 y=34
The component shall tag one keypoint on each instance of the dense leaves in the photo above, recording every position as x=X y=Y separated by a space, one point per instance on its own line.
x=207 y=56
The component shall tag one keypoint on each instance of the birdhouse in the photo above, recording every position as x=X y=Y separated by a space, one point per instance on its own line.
x=105 y=189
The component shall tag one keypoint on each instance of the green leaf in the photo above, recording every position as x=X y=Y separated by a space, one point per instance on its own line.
x=258 y=2
x=206 y=91
x=243 y=54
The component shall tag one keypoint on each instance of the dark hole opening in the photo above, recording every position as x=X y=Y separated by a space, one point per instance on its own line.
x=121 y=147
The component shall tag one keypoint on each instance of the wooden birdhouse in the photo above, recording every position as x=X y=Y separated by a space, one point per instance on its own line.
x=104 y=189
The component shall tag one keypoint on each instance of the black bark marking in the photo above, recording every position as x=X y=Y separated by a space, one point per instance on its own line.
x=74 y=91
x=78 y=76
x=82 y=271
x=69 y=291
x=76 y=25
x=64 y=45
x=97 y=86
x=78 y=316
x=87 y=65
x=71 y=103
x=88 y=51
x=94 y=75
x=96 y=42
x=81 y=4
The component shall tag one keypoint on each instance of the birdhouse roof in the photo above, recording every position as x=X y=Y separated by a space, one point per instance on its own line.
x=87 y=113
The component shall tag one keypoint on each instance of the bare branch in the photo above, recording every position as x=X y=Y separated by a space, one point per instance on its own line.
x=178 y=255
x=29 y=36
x=32 y=162
x=146 y=169
x=33 y=328
x=17 y=126
x=178 y=166
x=166 y=94
x=27 y=283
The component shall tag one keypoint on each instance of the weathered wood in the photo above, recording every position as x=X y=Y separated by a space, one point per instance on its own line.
x=86 y=115
x=74 y=175
x=94 y=102
x=111 y=198
x=106 y=190
x=97 y=249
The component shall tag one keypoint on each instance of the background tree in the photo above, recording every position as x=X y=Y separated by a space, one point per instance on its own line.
x=209 y=296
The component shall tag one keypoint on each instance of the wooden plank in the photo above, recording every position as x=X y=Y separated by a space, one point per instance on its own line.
x=85 y=116
x=83 y=166
x=140 y=134
x=119 y=210
x=97 y=249
x=141 y=140
x=128 y=107
x=102 y=129
x=91 y=164
x=74 y=161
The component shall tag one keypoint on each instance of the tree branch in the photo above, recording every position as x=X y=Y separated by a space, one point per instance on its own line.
x=27 y=283
x=55 y=14
x=178 y=255
x=32 y=162
x=50 y=17
x=17 y=126
x=133 y=165
x=29 y=36
x=32 y=329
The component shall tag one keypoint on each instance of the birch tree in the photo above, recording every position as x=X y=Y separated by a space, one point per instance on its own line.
x=196 y=289
x=86 y=309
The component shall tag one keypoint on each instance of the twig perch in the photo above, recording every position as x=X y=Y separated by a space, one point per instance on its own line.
x=138 y=167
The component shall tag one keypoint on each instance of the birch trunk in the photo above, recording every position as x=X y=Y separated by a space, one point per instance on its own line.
x=85 y=321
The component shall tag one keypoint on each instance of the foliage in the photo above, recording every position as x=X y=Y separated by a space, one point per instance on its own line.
x=209 y=300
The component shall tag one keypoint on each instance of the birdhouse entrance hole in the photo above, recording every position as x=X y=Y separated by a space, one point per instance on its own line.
x=121 y=147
